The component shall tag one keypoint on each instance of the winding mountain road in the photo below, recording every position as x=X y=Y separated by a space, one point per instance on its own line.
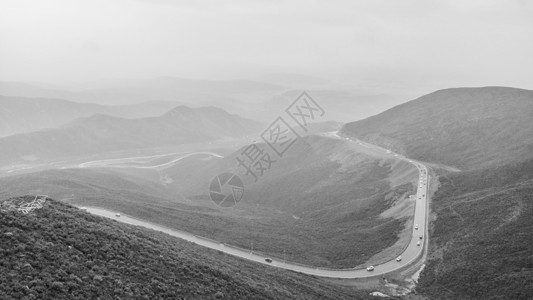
x=412 y=253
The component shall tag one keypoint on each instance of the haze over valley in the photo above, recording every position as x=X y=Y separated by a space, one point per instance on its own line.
x=258 y=150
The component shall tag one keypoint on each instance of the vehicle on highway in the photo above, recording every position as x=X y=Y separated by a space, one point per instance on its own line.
x=117 y=214
x=268 y=260
x=416 y=226
x=421 y=236
x=399 y=258
x=418 y=243
x=371 y=268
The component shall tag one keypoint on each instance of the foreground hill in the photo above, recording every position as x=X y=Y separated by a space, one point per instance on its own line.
x=59 y=252
x=22 y=114
x=104 y=133
x=463 y=127
x=481 y=241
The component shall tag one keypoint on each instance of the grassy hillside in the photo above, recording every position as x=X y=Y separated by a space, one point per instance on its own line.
x=59 y=252
x=463 y=127
x=481 y=241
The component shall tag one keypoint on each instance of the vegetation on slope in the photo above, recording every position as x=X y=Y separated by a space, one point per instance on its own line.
x=481 y=241
x=464 y=127
x=59 y=252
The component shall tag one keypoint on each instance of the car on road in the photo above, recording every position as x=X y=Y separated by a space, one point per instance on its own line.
x=268 y=260
x=421 y=236
x=371 y=268
x=416 y=226
x=399 y=258
x=418 y=243
x=117 y=214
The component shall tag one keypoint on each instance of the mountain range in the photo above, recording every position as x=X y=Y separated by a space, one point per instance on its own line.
x=128 y=91
x=261 y=98
x=103 y=133
x=24 y=114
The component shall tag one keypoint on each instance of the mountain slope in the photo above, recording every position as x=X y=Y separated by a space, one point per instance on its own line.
x=463 y=127
x=319 y=191
x=21 y=115
x=104 y=133
x=59 y=252
x=481 y=241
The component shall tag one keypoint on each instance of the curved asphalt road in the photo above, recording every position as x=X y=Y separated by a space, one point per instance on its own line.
x=412 y=253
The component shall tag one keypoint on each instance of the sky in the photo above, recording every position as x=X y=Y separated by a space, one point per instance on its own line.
x=412 y=44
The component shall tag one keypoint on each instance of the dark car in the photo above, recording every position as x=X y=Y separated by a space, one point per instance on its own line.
x=268 y=260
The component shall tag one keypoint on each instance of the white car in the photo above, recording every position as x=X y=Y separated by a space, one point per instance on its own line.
x=399 y=258
x=416 y=226
x=418 y=243
x=371 y=268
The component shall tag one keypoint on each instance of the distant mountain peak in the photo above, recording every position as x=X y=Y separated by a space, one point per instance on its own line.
x=178 y=109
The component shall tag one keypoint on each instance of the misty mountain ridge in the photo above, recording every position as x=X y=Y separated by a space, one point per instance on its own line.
x=102 y=133
x=461 y=127
x=24 y=114
x=262 y=97
x=129 y=91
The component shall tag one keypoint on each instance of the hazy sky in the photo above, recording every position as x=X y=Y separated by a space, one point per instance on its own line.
x=412 y=43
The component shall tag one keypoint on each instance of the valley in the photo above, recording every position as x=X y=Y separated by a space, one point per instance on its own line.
x=155 y=188
x=411 y=253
